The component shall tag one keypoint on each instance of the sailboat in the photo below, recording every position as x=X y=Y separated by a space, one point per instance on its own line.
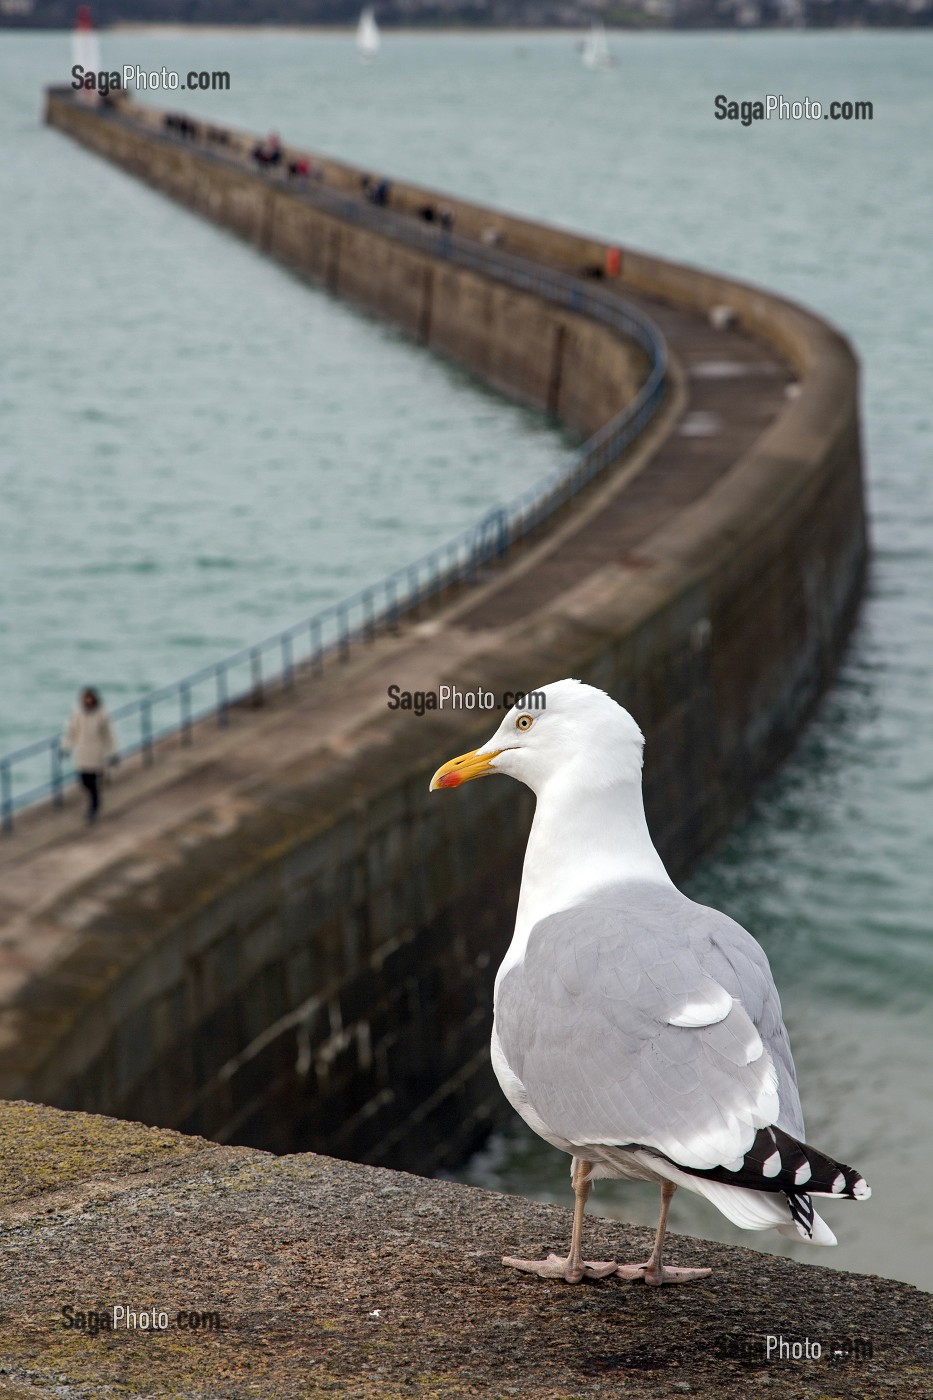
x=596 y=48
x=367 y=34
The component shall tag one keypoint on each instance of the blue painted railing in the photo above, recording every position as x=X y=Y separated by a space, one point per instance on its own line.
x=331 y=634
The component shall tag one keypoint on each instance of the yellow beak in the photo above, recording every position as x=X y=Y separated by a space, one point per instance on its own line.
x=464 y=769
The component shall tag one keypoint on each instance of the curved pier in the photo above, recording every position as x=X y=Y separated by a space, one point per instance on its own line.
x=275 y=937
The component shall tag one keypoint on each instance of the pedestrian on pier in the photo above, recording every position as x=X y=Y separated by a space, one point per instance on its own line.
x=90 y=738
x=268 y=152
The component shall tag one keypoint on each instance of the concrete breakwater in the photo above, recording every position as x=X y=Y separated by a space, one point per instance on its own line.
x=279 y=939
x=571 y=365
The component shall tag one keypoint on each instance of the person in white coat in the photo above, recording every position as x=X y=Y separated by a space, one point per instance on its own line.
x=89 y=737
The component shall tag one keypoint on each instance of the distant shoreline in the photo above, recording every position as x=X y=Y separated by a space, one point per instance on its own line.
x=458 y=28
x=349 y=27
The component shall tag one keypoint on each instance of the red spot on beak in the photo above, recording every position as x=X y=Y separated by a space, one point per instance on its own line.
x=449 y=780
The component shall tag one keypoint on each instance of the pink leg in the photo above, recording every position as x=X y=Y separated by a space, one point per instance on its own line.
x=573 y=1269
x=653 y=1271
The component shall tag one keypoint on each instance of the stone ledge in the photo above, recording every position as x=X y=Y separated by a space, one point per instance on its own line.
x=335 y=1278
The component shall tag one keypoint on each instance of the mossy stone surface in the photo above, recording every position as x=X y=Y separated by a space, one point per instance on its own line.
x=332 y=1278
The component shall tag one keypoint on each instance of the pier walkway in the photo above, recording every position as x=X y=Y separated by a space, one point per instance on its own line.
x=275 y=937
x=729 y=388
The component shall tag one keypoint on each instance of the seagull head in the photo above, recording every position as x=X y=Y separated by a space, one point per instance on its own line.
x=566 y=731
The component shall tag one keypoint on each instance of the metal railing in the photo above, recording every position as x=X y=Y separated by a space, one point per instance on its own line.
x=332 y=633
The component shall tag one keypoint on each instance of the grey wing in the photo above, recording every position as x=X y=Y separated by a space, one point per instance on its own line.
x=730 y=954
x=619 y=1036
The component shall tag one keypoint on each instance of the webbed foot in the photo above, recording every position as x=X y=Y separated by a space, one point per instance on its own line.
x=555 y=1267
x=656 y=1274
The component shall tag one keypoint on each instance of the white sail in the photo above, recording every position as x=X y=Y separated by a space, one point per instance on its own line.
x=367 y=34
x=596 y=48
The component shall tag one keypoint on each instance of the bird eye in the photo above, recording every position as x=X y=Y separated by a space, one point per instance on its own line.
x=524 y=722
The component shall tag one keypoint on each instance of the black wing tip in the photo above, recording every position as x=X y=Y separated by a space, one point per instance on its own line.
x=849 y=1184
x=802 y=1212
x=778 y=1162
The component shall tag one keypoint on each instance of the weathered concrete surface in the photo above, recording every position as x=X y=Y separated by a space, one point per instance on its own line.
x=335 y=1278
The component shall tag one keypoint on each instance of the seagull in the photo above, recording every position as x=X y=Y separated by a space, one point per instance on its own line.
x=634 y=1029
